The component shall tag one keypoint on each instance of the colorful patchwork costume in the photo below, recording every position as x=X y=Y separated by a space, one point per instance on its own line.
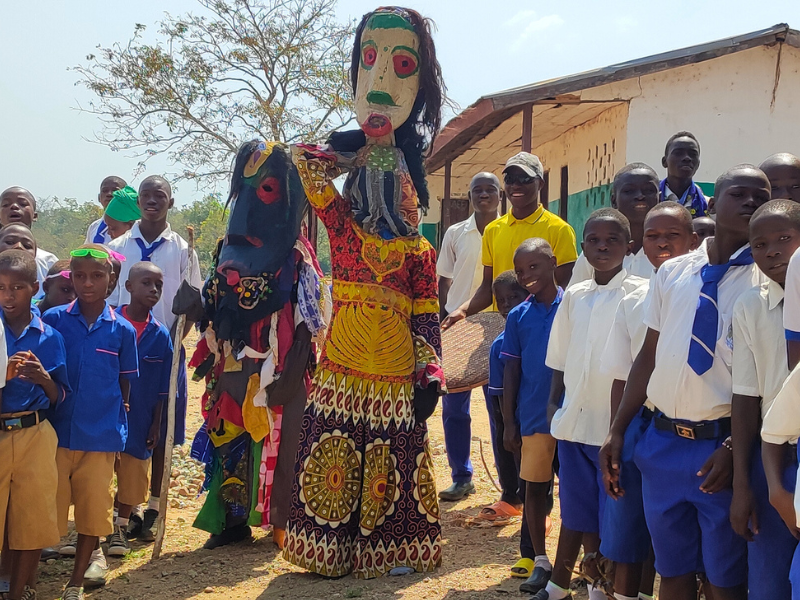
x=266 y=283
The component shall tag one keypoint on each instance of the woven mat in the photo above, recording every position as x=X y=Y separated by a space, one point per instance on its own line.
x=465 y=350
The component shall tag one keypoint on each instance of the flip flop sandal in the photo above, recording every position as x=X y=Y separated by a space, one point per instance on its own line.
x=500 y=510
x=523 y=569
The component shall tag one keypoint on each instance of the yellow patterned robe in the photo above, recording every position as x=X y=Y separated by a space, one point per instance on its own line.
x=364 y=499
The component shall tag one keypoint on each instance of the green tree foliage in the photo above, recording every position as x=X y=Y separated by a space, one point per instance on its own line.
x=62 y=225
x=236 y=70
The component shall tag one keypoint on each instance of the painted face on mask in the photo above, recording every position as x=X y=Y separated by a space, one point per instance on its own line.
x=265 y=215
x=253 y=275
x=388 y=73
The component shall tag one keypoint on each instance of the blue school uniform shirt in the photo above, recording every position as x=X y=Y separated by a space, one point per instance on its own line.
x=154 y=349
x=92 y=417
x=527 y=333
x=496 y=366
x=48 y=346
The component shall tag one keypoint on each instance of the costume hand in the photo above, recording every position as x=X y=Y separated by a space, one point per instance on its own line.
x=453 y=318
x=425 y=400
x=610 y=453
x=512 y=440
x=30 y=369
x=718 y=471
x=743 y=513
x=783 y=502
x=295 y=364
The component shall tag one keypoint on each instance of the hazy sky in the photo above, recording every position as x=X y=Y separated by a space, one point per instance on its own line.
x=483 y=47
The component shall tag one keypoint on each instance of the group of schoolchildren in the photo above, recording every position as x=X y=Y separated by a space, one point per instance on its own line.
x=641 y=373
x=72 y=422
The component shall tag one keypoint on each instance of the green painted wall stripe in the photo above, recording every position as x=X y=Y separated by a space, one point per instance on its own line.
x=584 y=203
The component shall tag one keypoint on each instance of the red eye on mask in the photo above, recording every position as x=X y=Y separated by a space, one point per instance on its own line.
x=405 y=65
x=369 y=56
x=269 y=191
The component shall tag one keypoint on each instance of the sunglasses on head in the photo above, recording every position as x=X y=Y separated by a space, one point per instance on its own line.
x=82 y=252
x=522 y=179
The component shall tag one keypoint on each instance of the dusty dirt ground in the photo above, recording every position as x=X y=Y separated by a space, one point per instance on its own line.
x=476 y=561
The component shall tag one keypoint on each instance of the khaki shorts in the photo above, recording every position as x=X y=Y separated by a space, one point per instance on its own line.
x=133 y=479
x=84 y=479
x=536 y=462
x=28 y=478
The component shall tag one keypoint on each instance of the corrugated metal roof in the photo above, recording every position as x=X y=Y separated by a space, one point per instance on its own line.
x=489 y=111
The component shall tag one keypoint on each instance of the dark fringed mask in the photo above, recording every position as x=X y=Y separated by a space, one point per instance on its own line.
x=254 y=267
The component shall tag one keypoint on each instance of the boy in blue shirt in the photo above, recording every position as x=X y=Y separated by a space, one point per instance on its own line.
x=508 y=294
x=37 y=378
x=91 y=423
x=148 y=391
x=526 y=390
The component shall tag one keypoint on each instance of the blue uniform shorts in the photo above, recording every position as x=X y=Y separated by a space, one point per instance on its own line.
x=581 y=489
x=769 y=555
x=680 y=517
x=626 y=538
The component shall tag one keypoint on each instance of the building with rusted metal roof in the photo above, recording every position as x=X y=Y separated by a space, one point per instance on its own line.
x=740 y=96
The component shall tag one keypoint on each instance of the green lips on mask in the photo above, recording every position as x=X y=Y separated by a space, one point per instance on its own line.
x=383 y=98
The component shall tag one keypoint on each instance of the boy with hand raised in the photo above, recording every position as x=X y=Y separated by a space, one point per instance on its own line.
x=683 y=369
x=681 y=160
x=580 y=424
x=758 y=375
x=37 y=380
x=91 y=422
x=634 y=192
x=148 y=392
x=668 y=233
x=526 y=390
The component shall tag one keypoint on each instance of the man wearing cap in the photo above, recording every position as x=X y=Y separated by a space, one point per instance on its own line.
x=522 y=177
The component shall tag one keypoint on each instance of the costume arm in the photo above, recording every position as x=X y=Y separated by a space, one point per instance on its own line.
x=317 y=167
x=425 y=322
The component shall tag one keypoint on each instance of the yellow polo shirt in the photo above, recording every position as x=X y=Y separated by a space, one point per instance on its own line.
x=502 y=237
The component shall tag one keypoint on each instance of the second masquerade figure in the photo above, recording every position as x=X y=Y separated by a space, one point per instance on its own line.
x=364 y=498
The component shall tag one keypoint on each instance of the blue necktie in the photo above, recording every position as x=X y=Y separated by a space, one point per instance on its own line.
x=147 y=252
x=706 y=317
x=99 y=236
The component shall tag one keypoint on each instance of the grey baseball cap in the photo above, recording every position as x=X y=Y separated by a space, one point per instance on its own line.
x=528 y=162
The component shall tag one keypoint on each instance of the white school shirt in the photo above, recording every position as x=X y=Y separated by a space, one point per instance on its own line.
x=674 y=388
x=460 y=260
x=3 y=357
x=576 y=346
x=172 y=257
x=90 y=233
x=627 y=335
x=791 y=304
x=759 y=347
x=44 y=260
x=635 y=264
x=782 y=422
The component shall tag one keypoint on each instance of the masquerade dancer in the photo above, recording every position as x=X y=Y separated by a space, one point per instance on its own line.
x=265 y=300
x=364 y=499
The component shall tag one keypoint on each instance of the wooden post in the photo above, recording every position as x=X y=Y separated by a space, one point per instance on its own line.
x=173 y=392
x=527 y=127
x=313 y=228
